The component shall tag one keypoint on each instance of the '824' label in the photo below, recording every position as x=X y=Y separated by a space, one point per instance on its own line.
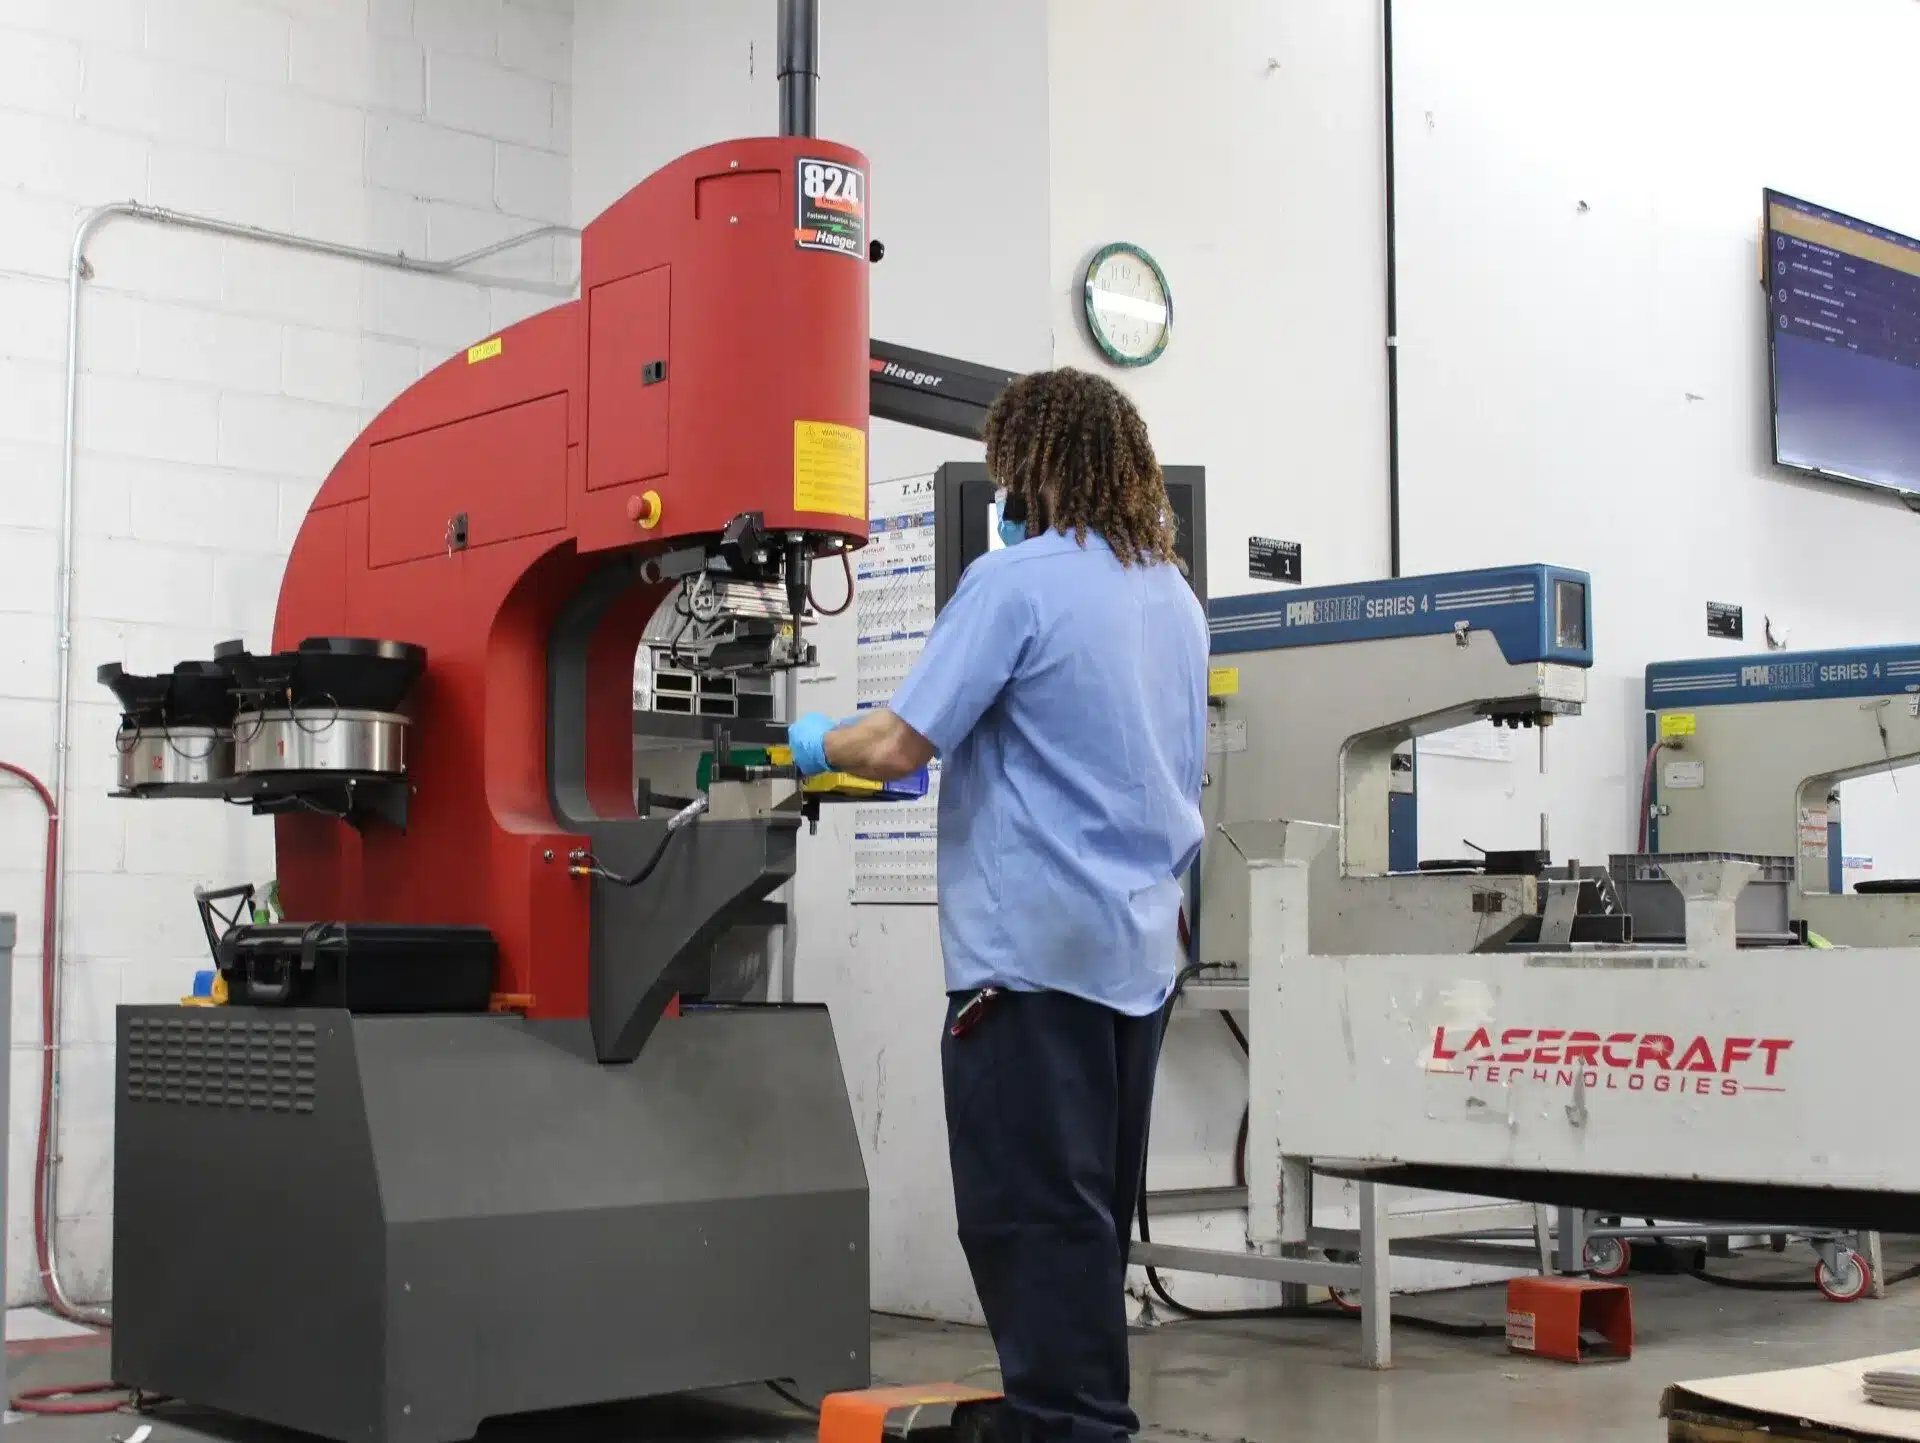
x=830 y=207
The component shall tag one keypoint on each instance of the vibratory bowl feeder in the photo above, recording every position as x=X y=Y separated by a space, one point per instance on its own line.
x=317 y=728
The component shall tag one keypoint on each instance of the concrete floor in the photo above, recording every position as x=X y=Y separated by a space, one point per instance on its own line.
x=1259 y=1382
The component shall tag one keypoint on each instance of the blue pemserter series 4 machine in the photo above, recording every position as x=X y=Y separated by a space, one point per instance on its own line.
x=1747 y=754
x=1317 y=696
x=1456 y=1030
x=1534 y=613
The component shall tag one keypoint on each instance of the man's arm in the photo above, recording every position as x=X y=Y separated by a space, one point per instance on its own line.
x=879 y=746
x=975 y=648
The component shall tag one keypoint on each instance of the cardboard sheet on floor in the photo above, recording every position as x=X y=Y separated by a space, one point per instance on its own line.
x=1782 y=1403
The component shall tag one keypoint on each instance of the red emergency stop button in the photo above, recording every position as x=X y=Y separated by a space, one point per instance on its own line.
x=644 y=509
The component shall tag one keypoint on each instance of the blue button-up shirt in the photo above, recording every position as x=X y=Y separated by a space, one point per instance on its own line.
x=1066 y=695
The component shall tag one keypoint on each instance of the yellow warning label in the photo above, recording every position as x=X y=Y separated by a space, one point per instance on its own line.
x=1223 y=681
x=1677 y=724
x=829 y=468
x=485 y=351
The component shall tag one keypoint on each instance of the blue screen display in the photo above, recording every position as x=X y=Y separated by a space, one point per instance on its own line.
x=1843 y=310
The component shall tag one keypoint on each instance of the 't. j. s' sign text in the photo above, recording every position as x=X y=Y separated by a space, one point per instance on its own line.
x=1700 y=1066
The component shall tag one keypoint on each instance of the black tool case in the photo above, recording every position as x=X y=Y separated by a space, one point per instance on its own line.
x=361 y=966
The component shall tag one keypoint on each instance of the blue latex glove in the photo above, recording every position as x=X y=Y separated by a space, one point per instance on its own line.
x=808 y=738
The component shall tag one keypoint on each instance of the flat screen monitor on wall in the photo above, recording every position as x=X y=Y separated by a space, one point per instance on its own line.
x=1843 y=313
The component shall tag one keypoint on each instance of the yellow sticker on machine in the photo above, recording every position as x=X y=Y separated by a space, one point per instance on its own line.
x=829 y=468
x=485 y=351
x=1677 y=724
x=1223 y=681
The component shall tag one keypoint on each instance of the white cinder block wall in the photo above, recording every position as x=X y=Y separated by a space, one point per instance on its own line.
x=220 y=380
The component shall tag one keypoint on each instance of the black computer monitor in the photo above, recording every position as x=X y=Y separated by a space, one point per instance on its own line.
x=1843 y=301
x=963 y=522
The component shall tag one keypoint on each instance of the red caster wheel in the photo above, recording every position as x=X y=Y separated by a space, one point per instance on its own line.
x=1608 y=1257
x=1848 y=1282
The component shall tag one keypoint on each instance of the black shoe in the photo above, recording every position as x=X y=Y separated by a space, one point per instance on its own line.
x=982 y=1422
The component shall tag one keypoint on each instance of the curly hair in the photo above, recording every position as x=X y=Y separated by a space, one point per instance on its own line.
x=1074 y=449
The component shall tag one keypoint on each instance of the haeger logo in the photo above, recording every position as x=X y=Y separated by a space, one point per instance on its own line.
x=1615 y=1062
x=894 y=371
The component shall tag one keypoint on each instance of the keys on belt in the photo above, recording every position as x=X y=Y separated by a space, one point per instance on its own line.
x=974 y=1010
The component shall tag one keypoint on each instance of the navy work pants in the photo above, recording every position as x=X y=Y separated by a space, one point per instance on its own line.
x=1047 y=1101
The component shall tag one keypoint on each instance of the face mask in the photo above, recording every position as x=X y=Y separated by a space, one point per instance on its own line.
x=1012 y=533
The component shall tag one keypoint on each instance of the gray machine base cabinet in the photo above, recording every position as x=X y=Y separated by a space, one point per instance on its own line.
x=390 y=1228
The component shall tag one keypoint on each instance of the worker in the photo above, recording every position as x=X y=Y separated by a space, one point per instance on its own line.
x=1064 y=690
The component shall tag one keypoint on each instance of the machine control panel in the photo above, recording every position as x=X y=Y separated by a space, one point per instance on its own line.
x=963 y=498
x=1536 y=613
x=1784 y=676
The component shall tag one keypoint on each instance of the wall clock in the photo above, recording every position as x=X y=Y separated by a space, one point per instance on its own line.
x=1128 y=305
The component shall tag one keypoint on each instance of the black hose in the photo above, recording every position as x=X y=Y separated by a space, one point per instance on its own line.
x=588 y=867
x=1246 y=1113
x=846 y=566
x=584 y=864
x=1239 y=1036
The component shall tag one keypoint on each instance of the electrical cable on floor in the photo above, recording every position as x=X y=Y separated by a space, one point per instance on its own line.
x=1159 y=1287
x=1754 y=1285
x=1323 y=1313
x=792 y=1399
x=1787 y=1285
x=70 y=1399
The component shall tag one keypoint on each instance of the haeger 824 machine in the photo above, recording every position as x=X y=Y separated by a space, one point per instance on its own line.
x=1316 y=693
x=491 y=1165
x=1747 y=753
x=390 y=1224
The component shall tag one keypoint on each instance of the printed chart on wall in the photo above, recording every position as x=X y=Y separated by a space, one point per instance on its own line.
x=893 y=844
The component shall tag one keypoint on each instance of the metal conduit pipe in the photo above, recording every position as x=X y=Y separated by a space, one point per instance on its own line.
x=1391 y=193
x=78 y=272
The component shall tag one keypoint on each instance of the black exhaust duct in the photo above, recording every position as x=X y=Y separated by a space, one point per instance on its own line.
x=799 y=65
